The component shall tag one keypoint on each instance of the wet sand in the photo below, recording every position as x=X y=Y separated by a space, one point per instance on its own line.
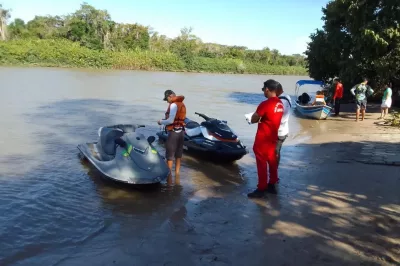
x=329 y=211
x=338 y=201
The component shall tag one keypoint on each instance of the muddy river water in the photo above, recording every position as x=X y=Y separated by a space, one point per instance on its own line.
x=52 y=203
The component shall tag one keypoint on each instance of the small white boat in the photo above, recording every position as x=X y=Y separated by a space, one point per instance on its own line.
x=315 y=112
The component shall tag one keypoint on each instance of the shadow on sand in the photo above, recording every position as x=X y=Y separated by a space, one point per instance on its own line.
x=324 y=214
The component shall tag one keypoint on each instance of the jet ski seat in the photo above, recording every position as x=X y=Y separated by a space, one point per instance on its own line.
x=192 y=128
x=190 y=124
x=107 y=140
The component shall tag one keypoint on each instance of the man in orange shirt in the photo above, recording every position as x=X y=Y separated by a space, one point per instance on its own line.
x=338 y=95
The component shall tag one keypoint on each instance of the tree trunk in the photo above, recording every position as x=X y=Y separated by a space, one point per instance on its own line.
x=3 y=26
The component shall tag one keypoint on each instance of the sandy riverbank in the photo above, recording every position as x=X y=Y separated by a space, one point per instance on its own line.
x=332 y=209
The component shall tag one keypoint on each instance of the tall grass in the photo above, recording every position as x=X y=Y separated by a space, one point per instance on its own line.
x=64 y=53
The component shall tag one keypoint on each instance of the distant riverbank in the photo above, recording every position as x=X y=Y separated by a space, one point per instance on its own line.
x=64 y=53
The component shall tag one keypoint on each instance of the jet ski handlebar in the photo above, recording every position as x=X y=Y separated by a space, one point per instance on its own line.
x=203 y=116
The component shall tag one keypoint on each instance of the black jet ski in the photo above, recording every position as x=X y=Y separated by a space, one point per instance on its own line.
x=213 y=139
x=125 y=156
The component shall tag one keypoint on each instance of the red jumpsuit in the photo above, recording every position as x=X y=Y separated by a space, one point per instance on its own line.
x=271 y=112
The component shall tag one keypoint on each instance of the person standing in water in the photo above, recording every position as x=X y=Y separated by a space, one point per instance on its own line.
x=175 y=127
x=386 y=101
x=338 y=95
x=268 y=116
x=361 y=92
x=283 y=130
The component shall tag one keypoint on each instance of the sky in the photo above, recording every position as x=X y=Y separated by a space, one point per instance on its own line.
x=284 y=25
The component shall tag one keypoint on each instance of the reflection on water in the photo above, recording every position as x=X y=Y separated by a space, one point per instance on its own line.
x=52 y=202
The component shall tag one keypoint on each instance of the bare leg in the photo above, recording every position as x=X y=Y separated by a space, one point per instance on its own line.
x=382 y=113
x=362 y=114
x=357 y=114
x=177 y=166
x=177 y=179
x=386 y=112
x=169 y=179
x=170 y=163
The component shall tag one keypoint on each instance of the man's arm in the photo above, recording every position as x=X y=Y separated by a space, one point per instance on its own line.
x=172 y=113
x=370 y=90
x=259 y=113
x=255 y=118
x=352 y=91
x=314 y=102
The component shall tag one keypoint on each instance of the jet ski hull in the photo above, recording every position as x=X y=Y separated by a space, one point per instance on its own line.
x=216 y=151
x=144 y=165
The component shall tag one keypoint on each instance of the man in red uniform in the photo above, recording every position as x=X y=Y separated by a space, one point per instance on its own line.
x=338 y=95
x=268 y=116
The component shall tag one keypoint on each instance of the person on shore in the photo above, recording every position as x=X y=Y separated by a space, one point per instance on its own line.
x=175 y=126
x=338 y=95
x=283 y=130
x=319 y=99
x=268 y=116
x=386 y=101
x=361 y=92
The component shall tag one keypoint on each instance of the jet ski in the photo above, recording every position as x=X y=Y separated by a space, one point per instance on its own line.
x=213 y=139
x=123 y=155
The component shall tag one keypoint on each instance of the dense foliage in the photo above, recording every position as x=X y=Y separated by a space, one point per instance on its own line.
x=359 y=39
x=90 y=34
x=65 y=53
x=394 y=119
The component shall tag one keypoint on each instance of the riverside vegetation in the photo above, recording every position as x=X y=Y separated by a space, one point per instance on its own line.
x=358 y=39
x=89 y=38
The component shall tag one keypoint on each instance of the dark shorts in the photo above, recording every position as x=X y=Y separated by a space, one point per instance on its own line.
x=279 y=143
x=174 y=145
x=361 y=104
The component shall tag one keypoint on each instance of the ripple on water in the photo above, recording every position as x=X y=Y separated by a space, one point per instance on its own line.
x=49 y=208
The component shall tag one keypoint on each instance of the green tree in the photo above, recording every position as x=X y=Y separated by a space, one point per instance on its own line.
x=130 y=36
x=186 y=45
x=91 y=27
x=212 y=50
x=359 y=38
x=45 y=27
x=159 y=43
x=17 y=29
x=236 y=52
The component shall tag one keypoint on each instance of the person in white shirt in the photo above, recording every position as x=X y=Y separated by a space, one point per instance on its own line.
x=283 y=131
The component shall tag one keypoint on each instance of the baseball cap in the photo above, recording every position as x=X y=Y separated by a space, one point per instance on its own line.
x=167 y=93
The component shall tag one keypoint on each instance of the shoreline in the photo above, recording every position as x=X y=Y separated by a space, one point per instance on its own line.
x=65 y=53
x=45 y=65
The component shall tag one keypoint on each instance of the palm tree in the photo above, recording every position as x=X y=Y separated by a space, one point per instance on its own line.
x=4 y=16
